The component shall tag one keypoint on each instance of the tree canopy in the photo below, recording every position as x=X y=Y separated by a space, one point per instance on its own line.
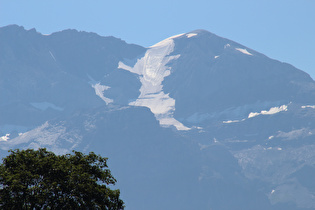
x=39 y=179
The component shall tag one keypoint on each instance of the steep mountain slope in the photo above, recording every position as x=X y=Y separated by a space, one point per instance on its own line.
x=218 y=74
x=155 y=167
x=195 y=121
x=43 y=76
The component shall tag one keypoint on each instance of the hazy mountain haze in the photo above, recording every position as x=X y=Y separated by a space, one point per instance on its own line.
x=195 y=121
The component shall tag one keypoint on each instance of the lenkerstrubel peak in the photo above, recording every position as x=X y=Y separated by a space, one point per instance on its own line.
x=215 y=123
x=200 y=73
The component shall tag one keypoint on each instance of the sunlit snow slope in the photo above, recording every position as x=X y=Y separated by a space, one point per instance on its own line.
x=152 y=68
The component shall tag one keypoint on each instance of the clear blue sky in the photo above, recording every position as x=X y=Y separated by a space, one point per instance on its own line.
x=281 y=29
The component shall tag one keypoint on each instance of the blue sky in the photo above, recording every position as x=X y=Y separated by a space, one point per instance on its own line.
x=281 y=29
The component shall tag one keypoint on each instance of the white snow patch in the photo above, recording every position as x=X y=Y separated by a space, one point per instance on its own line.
x=45 y=105
x=233 y=121
x=227 y=45
x=99 y=90
x=235 y=113
x=121 y=65
x=243 y=51
x=308 y=106
x=5 y=137
x=152 y=69
x=253 y=114
x=166 y=41
x=52 y=55
x=271 y=111
x=191 y=35
x=200 y=129
x=159 y=103
x=275 y=110
x=171 y=121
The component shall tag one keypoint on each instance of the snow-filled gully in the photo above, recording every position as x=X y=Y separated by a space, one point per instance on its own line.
x=152 y=69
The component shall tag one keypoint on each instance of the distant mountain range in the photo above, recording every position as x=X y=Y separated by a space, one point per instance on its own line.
x=195 y=121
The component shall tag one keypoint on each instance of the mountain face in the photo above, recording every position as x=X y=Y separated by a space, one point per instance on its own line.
x=195 y=121
x=43 y=76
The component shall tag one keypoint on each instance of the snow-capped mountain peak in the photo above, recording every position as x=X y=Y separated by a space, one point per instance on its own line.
x=244 y=123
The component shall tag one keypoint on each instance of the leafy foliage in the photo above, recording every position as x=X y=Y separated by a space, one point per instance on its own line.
x=39 y=179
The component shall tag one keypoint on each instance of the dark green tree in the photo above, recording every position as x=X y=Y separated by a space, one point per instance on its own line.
x=39 y=179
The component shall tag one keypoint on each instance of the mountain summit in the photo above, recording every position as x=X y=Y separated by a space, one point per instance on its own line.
x=186 y=73
x=195 y=121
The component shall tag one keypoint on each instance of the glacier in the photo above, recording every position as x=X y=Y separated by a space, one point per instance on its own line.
x=99 y=90
x=244 y=51
x=152 y=69
x=273 y=110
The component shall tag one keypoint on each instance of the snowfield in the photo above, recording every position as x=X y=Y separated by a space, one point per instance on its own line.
x=152 y=69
